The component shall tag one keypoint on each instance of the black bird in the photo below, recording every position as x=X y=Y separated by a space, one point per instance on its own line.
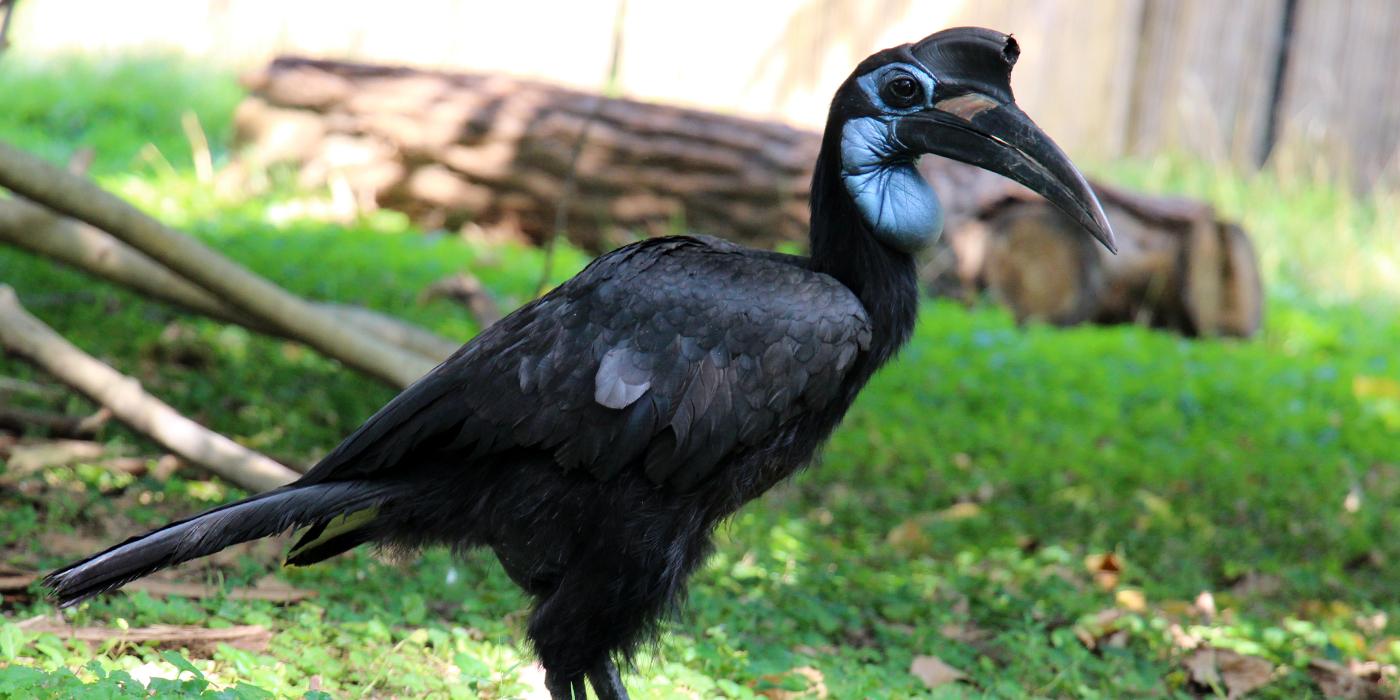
x=594 y=438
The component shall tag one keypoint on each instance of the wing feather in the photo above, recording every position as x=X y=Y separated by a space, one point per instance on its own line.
x=668 y=356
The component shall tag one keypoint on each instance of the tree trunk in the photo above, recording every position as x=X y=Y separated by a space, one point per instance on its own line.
x=450 y=148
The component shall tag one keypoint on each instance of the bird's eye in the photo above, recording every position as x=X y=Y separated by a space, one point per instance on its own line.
x=901 y=91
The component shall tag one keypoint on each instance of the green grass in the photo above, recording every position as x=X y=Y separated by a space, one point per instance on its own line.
x=952 y=514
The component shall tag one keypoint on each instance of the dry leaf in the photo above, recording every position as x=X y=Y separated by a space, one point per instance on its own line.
x=1243 y=673
x=1352 y=502
x=1106 y=568
x=1254 y=585
x=960 y=511
x=816 y=685
x=816 y=681
x=1364 y=387
x=1101 y=629
x=1200 y=667
x=1182 y=639
x=965 y=633
x=909 y=536
x=1325 y=610
x=1176 y=609
x=1374 y=624
x=1131 y=600
x=933 y=672
x=1237 y=673
x=1338 y=681
x=1205 y=605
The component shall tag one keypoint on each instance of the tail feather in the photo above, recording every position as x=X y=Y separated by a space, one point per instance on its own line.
x=259 y=516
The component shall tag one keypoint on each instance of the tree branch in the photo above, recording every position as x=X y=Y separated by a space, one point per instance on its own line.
x=289 y=315
x=23 y=420
x=31 y=227
x=28 y=337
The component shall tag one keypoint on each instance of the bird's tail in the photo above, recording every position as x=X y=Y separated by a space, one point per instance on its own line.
x=259 y=516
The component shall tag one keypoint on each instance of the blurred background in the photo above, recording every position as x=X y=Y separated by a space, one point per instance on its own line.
x=1289 y=83
x=1179 y=478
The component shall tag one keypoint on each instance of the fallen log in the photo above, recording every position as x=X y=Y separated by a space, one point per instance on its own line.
x=452 y=148
x=1179 y=267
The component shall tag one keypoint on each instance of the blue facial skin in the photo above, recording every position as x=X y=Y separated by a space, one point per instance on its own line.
x=894 y=199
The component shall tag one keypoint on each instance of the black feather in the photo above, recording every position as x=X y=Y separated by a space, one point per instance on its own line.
x=259 y=516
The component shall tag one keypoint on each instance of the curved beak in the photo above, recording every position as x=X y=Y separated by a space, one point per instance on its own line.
x=980 y=130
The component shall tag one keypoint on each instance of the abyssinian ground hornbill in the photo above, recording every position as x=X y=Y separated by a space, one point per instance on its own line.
x=594 y=438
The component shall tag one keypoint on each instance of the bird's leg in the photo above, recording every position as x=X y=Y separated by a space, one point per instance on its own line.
x=607 y=684
x=561 y=688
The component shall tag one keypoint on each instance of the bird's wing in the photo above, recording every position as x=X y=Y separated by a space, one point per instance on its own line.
x=666 y=355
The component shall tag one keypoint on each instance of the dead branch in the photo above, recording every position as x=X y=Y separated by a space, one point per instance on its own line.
x=28 y=337
x=25 y=420
x=28 y=457
x=14 y=584
x=135 y=466
x=33 y=228
x=467 y=290
x=292 y=316
x=197 y=640
x=416 y=339
x=17 y=582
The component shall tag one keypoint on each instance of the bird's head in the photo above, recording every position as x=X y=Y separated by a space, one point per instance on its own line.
x=949 y=95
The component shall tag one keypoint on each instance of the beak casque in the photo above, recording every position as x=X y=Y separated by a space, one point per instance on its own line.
x=974 y=119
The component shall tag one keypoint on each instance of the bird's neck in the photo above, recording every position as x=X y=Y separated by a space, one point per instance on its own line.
x=843 y=246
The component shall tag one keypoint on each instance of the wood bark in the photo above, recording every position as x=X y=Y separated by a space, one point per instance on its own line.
x=1178 y=267
x=30 y=338
x=451 y=148
x=33 y=228
x=291 y=316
